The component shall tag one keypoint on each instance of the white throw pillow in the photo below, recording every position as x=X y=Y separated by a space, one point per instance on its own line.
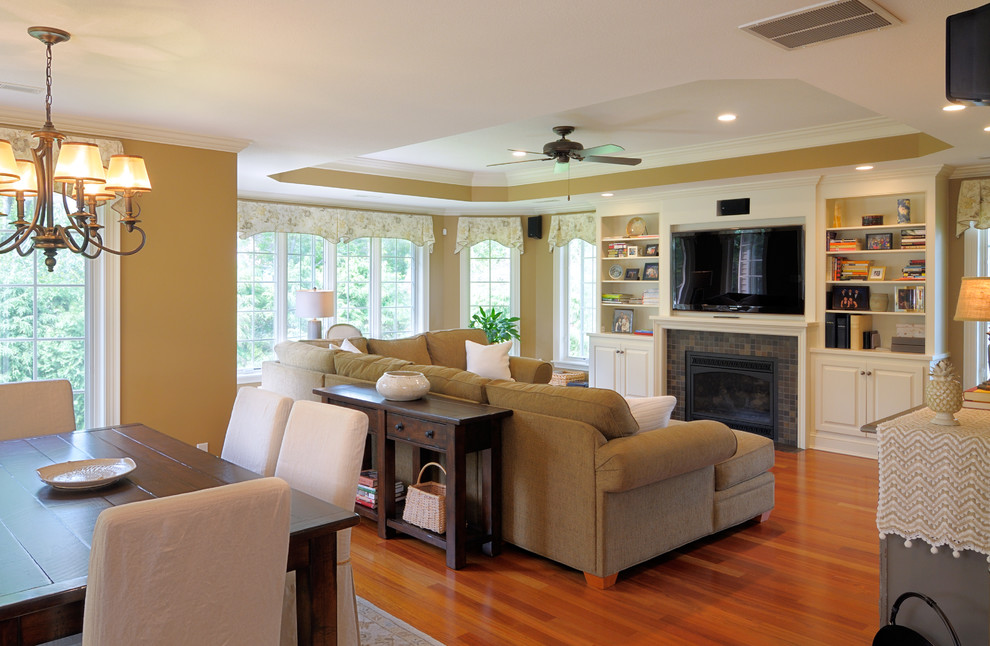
x=491 y=361
x=349 y=347
x=652 y=412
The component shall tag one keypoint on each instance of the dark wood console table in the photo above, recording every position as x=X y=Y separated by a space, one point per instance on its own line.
x=439 y=425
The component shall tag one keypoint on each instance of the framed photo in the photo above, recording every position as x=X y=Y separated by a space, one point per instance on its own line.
x=651 y=250
x=632 y=273
x=877 y=273
x=631 y=251
x=879 y=240
x=622 y=321
x=909 y=299
x=651 y=271
x=850 y=298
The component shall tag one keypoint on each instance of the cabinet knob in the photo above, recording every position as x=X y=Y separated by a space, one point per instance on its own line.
x=869 y=372
x=429 y=433
x=862 y=372
x=399 y=427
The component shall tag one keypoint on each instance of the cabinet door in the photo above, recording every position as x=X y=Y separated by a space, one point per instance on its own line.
x=893 y=387
x=841 y=401
x=638 y=370
x=604 y=371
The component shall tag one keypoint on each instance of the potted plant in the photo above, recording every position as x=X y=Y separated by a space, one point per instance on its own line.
x=497 y=326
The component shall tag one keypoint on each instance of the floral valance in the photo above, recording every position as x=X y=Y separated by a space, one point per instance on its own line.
x=335 y=224
x=974 y=205
x=24 y=142
x=505 y=231
x=573 y=226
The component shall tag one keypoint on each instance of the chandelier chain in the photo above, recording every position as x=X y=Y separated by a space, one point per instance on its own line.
x=48 y=84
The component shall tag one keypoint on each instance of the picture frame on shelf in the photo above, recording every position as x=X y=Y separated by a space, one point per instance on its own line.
x=877 y=273
x=632 y=273
x=651 y=271
x=851 y=298
x=622 y=321
x=909 y=299
x=652 y=250
x=632 y=251
x=880 y=241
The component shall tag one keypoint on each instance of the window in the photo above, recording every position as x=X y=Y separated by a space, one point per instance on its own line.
x=491 y=281
x=977 y=263
x=576 y=308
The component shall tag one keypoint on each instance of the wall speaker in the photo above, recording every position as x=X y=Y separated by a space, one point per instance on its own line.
x=738 y=206
x=535 y=225
x=967 y=56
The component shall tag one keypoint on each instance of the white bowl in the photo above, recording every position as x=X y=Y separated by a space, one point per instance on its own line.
x=402 y=385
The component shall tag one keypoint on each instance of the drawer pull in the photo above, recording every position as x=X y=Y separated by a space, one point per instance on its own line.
x=429 y=433
x=399 y=427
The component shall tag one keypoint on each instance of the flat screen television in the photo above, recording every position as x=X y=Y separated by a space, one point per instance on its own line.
x=758 y=271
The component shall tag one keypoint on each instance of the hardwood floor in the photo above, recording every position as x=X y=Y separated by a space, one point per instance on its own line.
x=809 y=575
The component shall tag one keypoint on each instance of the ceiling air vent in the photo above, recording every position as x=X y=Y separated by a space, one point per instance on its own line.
x=821 y=22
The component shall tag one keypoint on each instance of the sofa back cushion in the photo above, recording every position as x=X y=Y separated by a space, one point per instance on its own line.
x=306 y=355
x=411 y=349
x=604 y=409
x=453 y=382
x=446 y=347
x=367 y=367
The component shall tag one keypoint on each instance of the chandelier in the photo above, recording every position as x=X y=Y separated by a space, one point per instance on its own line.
x=79 y=175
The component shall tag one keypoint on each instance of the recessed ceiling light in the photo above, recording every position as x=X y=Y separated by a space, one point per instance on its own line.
x=954 y=107
x=987 y=129
x=727 y=117
x=608 y=194
x=518 y=153
x=865 y=167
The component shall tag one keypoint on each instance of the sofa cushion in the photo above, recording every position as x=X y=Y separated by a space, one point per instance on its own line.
x=446 y=347
x=753 y=456
x=305 y=355
x=368 y=367
x=491 y=361
x=651 y=412
x=411 y=349
x=453 y=382
x=604 y=409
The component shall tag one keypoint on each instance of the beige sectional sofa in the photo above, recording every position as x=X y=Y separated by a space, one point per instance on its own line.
x=583 y=485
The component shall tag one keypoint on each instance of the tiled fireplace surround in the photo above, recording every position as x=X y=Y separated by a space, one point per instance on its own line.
x=783 y=348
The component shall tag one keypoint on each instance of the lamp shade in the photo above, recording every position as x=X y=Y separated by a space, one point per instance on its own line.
x=28 y=183
x=79 y=161
x=8 y=165
x=974 y=299
x=127 y=173
x=314 y=304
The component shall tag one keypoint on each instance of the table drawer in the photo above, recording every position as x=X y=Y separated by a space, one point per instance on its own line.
x=410 y=429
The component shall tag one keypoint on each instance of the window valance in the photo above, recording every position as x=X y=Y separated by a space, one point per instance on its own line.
x=505 y=231
x=24 y=142
x=572 y=226
x=335 y=224
x=974 y=205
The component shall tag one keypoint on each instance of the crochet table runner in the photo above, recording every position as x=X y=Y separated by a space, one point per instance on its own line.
x=935 y=480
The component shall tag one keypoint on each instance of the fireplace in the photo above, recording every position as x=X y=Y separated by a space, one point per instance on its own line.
x=739 y=391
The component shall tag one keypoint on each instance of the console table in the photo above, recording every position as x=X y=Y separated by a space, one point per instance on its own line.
x=439 y=425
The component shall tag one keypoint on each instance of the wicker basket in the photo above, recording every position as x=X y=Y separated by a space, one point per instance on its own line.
x=564 y=377
x=426 y=503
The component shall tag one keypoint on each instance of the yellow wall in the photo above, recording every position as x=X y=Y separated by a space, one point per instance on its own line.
x=177 y=297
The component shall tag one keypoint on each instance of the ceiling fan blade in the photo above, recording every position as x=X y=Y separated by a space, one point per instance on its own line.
x=521 y=161
x=600 y=150
x=520 y=150
x=561 y=166
x=628 y=161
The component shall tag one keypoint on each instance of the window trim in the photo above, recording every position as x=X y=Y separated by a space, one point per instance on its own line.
x=103 y=318
x=465 y=286
x=561 y=358
x=977 y=263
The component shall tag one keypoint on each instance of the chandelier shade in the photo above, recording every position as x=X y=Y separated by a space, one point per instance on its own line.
x=79 y=162
x=8 y=165
x=27 y=185
x=127 y=173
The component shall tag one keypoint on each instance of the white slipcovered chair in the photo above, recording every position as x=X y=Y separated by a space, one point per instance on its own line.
x=321 y=455
x=32 y=408
x=340 y=331
x=206 y=567
x=254 y=433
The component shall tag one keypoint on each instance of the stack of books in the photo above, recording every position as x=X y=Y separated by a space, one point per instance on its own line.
x=615 y=298
x=643 y=332
x=835 y=267
x=911 y=344
x=367 y=491
x=915 y=270
x=843 y=244
x=976 y=398
x=616 y=250
x=913 y=238
x=854 y=270
x=651 y=296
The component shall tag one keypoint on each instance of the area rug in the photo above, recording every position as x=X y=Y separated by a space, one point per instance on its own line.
x=378 y=628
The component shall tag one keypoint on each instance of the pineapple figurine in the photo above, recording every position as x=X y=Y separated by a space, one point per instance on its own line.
x=944 y=394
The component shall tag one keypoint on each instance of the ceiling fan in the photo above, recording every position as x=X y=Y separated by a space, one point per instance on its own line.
x=564 y=150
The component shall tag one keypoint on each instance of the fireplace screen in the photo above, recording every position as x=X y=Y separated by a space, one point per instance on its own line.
x=738 y=391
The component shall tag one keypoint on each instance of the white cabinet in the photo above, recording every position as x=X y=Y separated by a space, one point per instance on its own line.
x=624 y=364
x=852 y=390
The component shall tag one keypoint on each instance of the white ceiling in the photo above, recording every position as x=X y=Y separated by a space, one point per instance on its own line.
x=441 y=88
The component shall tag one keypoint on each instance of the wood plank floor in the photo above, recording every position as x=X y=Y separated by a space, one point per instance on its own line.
x=809 y=575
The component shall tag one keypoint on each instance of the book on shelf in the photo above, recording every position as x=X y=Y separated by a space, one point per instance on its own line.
x=368 y=478
x=847 y=244
x=975 y=394
x=968 y=403
x=858 y=323
x=643 y=332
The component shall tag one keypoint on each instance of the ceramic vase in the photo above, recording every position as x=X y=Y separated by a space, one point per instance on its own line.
x=943 y=395
x=879 y=302
x=402 y=385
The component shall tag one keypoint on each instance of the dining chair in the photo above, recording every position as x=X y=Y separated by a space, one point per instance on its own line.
x=341 y=331
x=33 y=408
x=254 y=433
x=321 y=455
x=206 y=567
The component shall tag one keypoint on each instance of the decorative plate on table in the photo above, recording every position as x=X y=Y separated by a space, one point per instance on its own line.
x=86 y=474
x=615 y=272
x=636 y=227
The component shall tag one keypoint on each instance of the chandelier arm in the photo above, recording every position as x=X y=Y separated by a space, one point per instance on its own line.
x=97 y=242
x=17 y=238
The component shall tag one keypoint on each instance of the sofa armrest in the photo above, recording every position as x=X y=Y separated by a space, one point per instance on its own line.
x=290 y=381
x=530 y=371
x=625 y=463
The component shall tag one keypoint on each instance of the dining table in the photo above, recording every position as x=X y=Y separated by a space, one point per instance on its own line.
x=45 y=532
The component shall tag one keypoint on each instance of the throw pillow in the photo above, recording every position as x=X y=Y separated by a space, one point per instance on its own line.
x=491 y=361
x=651 y=412
x=347 y=346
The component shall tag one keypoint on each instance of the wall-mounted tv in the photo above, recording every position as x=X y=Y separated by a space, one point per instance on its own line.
x=739 y=270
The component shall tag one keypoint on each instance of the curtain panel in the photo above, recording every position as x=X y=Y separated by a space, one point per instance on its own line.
x=507 y=232
x=573 y=226
x=974 y=205
x=337 y=225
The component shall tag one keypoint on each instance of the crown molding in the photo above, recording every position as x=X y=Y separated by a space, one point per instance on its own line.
x=926 y=171
x=32 y=120
x=966 y=172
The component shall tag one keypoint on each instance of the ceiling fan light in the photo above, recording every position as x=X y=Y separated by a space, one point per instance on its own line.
x=8 y=165
x=79 y=161
x=727 y=117
x=127 y=173
x=518 y=153
x=28 y=183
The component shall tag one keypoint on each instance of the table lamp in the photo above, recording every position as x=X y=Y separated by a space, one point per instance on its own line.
x=314 y=304
x=974 y=305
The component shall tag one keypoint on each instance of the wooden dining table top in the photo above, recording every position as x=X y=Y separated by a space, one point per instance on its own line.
x=45 y=533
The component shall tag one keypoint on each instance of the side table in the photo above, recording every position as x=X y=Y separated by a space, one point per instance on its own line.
x=440 y=425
